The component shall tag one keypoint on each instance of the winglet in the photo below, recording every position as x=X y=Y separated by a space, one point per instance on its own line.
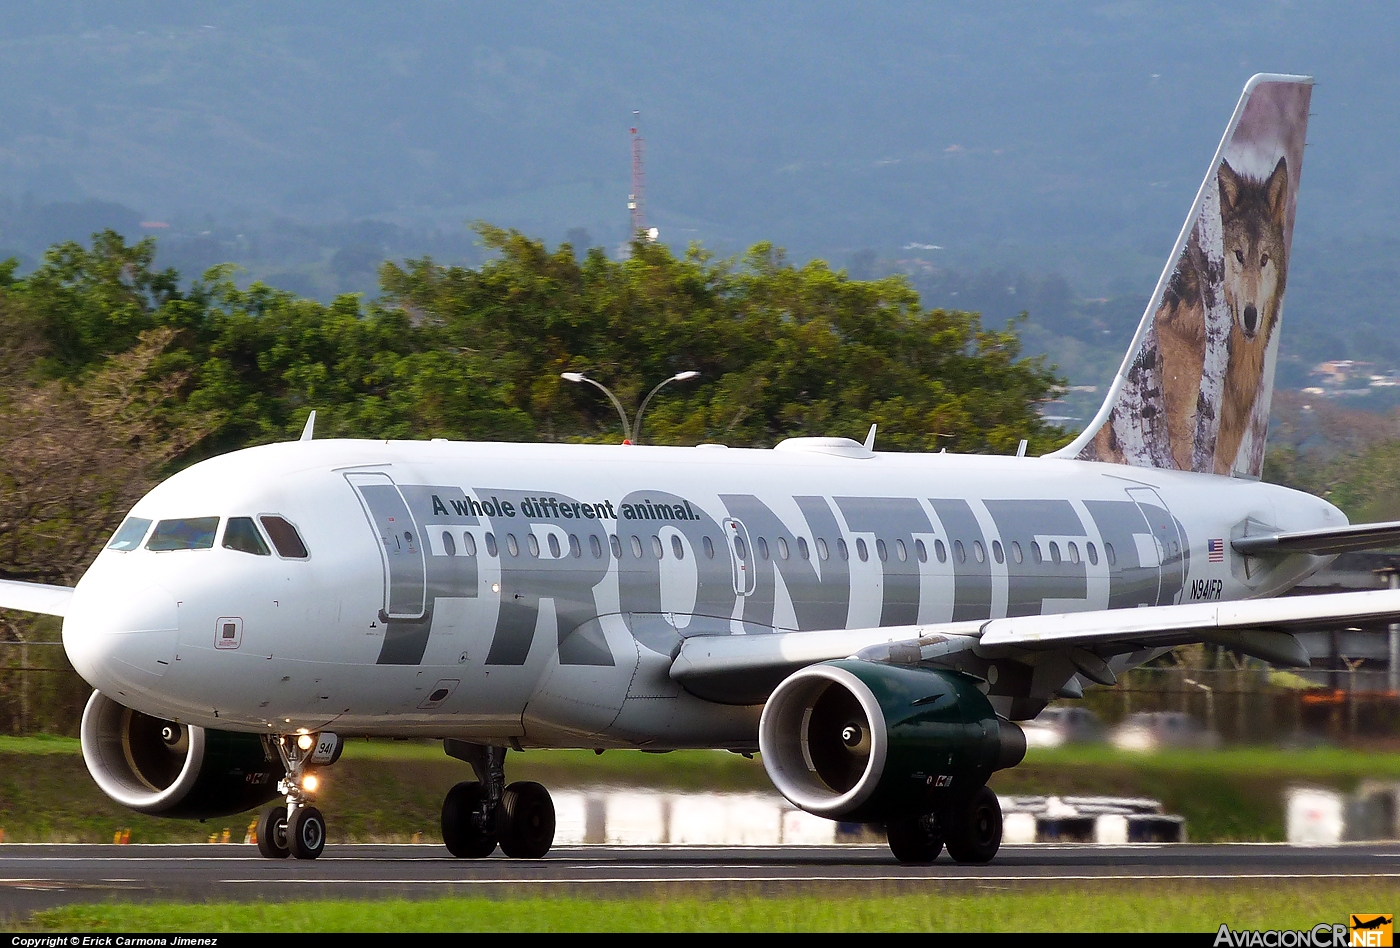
x=870 y=439
x=310 y=426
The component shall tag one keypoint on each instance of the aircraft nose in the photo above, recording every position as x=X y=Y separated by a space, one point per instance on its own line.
x=121 y=638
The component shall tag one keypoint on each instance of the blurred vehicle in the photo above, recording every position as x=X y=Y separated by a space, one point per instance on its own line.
x=1057 y=726
x=1155 y=730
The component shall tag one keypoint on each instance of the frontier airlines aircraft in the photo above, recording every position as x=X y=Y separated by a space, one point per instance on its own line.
x=874 y=624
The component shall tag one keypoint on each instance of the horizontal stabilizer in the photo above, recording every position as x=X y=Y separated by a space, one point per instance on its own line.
x=35 y=597
x=1358 y=536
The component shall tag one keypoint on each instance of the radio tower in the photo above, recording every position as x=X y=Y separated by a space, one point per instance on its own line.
x=636 y=200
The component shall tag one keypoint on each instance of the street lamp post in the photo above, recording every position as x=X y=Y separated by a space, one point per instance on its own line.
x=631 y=431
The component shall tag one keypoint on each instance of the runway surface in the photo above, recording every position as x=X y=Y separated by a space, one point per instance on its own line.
x=34 y=876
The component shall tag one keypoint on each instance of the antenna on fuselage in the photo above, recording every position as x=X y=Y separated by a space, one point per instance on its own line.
x=310 y=426
x=870 y=439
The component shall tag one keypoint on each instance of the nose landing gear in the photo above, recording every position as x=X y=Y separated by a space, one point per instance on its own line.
x=296 y=828
x=479 y=814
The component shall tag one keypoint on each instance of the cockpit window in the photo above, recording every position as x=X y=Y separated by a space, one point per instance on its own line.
x=285 y=538
x=129 y=534
x=194 y=533
x=242 y=535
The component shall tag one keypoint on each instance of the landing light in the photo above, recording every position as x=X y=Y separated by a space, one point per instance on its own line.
x=309 y=783
x=306 y=742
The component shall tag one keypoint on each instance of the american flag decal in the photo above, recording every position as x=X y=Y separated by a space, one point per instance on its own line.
x=1216 y=549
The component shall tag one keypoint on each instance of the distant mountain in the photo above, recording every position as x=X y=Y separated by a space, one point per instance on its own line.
x=1055 y=140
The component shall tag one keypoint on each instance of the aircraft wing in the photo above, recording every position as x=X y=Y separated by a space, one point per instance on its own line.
x=35 y=597
x=1359 y=536
x=1264 y=628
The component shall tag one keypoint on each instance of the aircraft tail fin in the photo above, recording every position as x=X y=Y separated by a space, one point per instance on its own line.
x=1194 y=391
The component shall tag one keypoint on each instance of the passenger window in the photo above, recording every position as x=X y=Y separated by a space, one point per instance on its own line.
x=532 y=544
x=195 y=533
x=677 y=548
x=921 y=551
x=242 y=535
x=1036 y=558
x=841 y=548
x=978 y=553
x=782 y=548
x=1055 y=552
x=656 y=546
x=861 y=549
x=763 y=548
x=512 y=544
x=1093 y=554
x=616 y=545
x=129 y=534
x=802 y=550
x=740 y=549
x=823 y=551
x=959 y=551
x=940 y=551
x=469 y=542
x=881 y=550
x=553 y=546
x=490 y=544
x=636 y=546
x=575 y=548
x=1016 y=553
x=285 y=538
x=449 y=545
x=1108 y=552
x=997 y=553
x=901 y=551
x=595 y=546
x=709 y=549
x=1073 y=553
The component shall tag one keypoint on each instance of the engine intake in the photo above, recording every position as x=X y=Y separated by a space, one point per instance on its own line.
x=170 y=769
x=869 y=741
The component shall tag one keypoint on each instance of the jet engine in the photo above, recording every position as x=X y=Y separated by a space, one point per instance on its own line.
x=178 y=770
x=869 y=742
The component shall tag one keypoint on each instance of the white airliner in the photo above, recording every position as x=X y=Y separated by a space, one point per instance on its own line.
x=873 y=623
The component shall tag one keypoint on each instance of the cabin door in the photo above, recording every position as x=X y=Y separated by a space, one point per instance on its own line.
x=400 y=545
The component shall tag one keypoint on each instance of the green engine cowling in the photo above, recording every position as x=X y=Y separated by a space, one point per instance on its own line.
x=868 y=742
x=168 y=769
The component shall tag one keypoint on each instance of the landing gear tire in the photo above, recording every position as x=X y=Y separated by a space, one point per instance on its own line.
x=526 y=821
x=915 y=839
x=972 y=828
x=272 y=832
x=465 y=828
x=306 y=833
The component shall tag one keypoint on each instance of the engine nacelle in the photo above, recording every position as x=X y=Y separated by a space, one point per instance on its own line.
x=178 y=770
x=867 y=741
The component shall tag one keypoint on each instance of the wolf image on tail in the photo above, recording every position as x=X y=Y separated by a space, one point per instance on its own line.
x=1194 y=392
x=1256 y=269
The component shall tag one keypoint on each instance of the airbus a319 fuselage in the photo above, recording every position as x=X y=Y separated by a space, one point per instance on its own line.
x=539 y=593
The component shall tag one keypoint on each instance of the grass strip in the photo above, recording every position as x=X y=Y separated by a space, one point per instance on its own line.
x=1137 y=906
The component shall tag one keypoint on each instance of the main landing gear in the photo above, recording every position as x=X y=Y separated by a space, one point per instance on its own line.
x=969 y=827
x=296 y=828
x=479 y=814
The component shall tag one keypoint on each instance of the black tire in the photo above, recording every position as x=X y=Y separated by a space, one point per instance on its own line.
x=306 y=833
x=526 y=821
x=914 y=839
x=272 y=832
x=972 y=828
x=466 y=837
